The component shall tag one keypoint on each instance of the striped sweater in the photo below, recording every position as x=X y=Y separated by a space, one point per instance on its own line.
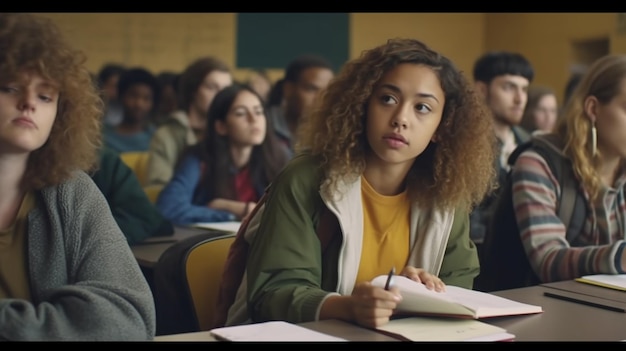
x=597 y=250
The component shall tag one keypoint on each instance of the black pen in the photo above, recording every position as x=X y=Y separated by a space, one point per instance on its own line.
x=389 y=278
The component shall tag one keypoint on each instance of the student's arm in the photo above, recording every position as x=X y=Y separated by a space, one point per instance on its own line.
x=238 y=208
x=543 y=233
x=175 y=200
x=86 y=283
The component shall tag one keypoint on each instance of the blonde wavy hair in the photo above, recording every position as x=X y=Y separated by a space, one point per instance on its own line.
x=34 y=44
x=455 y=171
x=604 y=81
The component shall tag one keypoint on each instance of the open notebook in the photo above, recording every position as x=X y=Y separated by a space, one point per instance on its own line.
x=271 y=332
x=444 y=329
x=454 y=302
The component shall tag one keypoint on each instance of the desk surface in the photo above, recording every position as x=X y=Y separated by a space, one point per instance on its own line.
x=336 y=328
x=148 y=251
x=588 y=289
x=561 y=320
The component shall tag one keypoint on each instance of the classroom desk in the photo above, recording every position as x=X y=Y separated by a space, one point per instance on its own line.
x=148 y=251
x=561 y=320
x=589 y=290
x=336 y=328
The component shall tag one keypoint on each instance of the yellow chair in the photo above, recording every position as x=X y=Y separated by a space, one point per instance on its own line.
x=203 y=272
x=153 y=192
x=138 y=162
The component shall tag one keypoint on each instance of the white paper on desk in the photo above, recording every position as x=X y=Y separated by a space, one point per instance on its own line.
x=445 y=329
x=271 y=332
x=231 y=227
x=613 y=281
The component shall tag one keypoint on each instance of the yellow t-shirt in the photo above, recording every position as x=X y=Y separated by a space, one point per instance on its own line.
x=13 y=259
x=385 y=232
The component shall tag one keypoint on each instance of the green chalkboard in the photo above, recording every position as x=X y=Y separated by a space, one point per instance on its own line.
x=272 y=40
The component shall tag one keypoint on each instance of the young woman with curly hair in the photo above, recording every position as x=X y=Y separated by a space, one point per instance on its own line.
x=66 y=270
x=398 y=150
x=590 y=134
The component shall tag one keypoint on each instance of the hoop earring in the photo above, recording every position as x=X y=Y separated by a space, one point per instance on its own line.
x=594 y=139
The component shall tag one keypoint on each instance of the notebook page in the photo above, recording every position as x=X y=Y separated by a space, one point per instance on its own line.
x=613 y=281
x=271 y=332
x=455 y=300
x=444 y=329
x=231 y=227
x=486 y=304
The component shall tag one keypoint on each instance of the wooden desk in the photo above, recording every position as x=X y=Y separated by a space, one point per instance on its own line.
x=336 y=328
x=148 y=251
x=561 y=320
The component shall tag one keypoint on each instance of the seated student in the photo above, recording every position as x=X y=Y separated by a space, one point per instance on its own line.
x=197 y=86
x=541 y=111
x=107 y=79
x=501 y=78
x=386 y=153
x=222 y=177
x=138 y=218
x=260 y=81
x=139 y=93
x=591 y=134
x=305 y=77
x=66 y=271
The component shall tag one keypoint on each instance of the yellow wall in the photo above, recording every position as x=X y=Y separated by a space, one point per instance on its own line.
x=546 y=39
x=157 y=41
x=162 y=41
x=459 y=36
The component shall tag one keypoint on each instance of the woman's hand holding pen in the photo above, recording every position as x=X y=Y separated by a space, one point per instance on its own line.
x=372 y=305
x=421 y=276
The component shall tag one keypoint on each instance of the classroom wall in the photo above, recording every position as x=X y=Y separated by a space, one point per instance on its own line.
x=546 y=39
x=162 y=41
x=158 y=41
x=460 y=36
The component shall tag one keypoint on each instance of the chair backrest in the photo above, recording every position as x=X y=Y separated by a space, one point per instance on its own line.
x=138 y=162
x=153 y=191
x=204 y=265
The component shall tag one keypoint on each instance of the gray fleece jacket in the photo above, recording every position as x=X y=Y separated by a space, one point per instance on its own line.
x=85 y=283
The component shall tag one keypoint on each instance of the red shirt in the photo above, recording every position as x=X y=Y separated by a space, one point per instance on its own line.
x=243 y=186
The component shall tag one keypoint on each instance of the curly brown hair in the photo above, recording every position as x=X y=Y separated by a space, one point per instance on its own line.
x=34 y=44
x=456 y=171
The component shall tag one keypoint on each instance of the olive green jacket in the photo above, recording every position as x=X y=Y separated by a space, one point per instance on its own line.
x=288 y=276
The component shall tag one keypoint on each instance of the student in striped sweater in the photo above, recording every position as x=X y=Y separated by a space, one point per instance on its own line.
x=592 y=131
